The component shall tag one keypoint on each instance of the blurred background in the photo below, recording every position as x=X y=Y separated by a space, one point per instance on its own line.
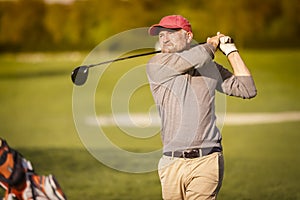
x=42 y=41
x=57 y=25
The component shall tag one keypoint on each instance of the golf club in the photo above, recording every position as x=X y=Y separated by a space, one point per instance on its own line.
x=79 y=74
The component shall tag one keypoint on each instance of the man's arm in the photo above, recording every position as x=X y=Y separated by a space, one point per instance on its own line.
x=238 y=65
x=164 y=66
x=241 y=84
x=228 y=47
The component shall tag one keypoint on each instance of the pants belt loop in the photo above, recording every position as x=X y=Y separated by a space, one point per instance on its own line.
x=200 y=153
x=173 y=154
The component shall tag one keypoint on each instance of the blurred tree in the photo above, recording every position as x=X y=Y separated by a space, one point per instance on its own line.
x=56 y=20
x=37 y=25
x=21 y=24
x=285 y=26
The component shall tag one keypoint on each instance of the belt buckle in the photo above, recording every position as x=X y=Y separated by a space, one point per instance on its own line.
x=192 y=153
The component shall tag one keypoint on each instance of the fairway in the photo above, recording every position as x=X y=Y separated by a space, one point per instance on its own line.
x=261 y=160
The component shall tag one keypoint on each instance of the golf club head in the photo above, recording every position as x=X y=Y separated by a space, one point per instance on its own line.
x=79 y=75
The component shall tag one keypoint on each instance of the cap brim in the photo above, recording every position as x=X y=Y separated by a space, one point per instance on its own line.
x=155 y=29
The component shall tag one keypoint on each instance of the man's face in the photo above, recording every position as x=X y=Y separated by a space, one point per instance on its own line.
x=172 y=41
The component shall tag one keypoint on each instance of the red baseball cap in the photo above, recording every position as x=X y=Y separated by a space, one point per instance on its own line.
x=171 y=22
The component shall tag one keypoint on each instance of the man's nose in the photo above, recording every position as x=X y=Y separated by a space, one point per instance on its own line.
x=166 y=38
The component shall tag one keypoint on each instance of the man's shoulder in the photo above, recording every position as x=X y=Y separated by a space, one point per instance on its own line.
x=160 y=59
x=160 y=56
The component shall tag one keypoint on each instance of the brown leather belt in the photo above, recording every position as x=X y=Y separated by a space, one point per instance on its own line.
x=193 y=153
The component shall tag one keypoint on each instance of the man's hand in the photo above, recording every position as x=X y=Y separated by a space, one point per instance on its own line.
x=215 y=40
x=226 y=45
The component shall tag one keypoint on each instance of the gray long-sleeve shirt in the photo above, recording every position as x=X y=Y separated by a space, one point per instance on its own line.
x=183 y=86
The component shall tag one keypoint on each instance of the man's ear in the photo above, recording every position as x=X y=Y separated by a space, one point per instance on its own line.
x=190 y=37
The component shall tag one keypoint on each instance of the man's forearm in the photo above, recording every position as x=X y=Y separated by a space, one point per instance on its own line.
x=238 y=65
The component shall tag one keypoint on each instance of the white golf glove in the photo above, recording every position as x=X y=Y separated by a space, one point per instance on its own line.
x=226 y=45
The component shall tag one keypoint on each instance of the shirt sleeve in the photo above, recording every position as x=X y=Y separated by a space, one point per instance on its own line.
x=165 y=66
x=238 y=86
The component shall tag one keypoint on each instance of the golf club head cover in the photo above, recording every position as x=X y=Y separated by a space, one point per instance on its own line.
x=53 y=189
x=45 y=186
x=226 y=45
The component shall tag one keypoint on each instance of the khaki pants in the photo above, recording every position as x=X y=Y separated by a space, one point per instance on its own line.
x=187 y=179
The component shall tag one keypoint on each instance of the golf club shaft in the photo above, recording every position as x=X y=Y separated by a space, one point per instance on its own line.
x=128 y=57
x=123 y=58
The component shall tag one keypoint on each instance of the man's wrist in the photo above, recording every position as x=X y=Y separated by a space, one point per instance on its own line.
x=232 y=54
x=233 y=51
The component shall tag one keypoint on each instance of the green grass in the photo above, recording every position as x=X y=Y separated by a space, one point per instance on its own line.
x=83 y=177
x=36 y=100
x=275 y=75
x=36 y=118
x=261 y=162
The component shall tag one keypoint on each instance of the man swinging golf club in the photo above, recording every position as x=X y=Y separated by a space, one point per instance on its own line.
x=183 y=80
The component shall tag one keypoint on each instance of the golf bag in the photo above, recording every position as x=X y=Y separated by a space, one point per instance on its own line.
x=19 y=180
